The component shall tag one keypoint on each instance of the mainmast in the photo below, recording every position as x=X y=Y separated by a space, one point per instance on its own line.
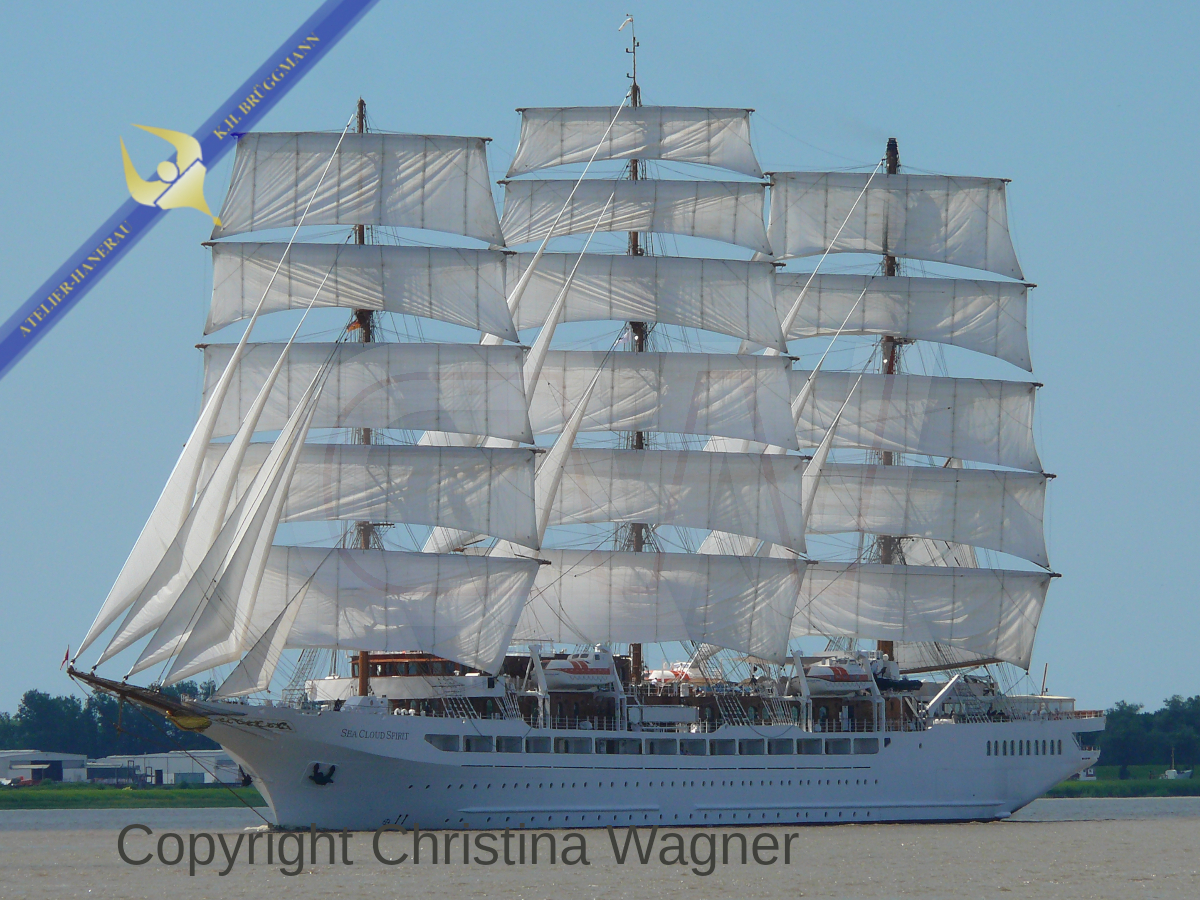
x=639 y=333
x=889 y=547
x=364 y=323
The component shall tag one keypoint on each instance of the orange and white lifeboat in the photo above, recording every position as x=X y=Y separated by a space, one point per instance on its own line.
x=580 y=671
x=678 y=673
x=836 y=676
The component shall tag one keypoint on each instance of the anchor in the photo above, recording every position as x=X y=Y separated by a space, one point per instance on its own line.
x=322 y=778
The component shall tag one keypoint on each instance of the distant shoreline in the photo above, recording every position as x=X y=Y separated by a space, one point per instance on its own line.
x=1140 y=787
x=99 y=796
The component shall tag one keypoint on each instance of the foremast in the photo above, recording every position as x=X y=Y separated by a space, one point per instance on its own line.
x=637 y=535
x=889 y=549
x=365 y=536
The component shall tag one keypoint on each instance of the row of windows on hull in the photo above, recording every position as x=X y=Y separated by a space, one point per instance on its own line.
x=1024 y=748
x=476 y=743
x=596 y=819
x=731 y=782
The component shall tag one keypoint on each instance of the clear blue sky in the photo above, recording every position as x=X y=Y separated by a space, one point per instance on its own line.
x=1089 y=108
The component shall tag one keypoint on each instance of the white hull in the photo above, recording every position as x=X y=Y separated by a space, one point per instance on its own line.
x=387 y=773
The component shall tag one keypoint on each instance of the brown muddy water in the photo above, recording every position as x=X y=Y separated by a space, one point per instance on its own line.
x=1053 y=850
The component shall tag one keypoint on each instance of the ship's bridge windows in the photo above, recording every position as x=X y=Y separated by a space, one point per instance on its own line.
x=866 y=745
x=478 y=743
x=508 y=744
x=537 y=745
x=751 y=747
x=722 y=747
x=810 y=746
x=692 y=747
x=662 y=746
x=781 y=747
x=837 y=746
x=443 y=741
x=572 y=745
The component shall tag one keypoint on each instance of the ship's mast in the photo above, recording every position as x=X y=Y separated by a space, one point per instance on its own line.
x=364 y=322
x=888 y=546
x=639 y=333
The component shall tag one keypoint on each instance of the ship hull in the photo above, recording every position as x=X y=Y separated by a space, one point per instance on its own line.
x=382 y=771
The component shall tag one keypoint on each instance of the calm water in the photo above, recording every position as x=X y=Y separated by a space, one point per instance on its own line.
x=1053 y=850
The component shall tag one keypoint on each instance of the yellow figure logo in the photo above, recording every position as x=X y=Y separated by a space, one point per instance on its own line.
x=182 y=182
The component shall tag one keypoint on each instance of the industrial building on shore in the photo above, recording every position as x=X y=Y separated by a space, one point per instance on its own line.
x=175 y=767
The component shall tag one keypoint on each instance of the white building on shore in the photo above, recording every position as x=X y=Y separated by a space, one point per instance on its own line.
x=175 y=767
x=34 y=765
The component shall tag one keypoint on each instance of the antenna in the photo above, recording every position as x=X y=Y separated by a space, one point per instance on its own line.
x=635 y=97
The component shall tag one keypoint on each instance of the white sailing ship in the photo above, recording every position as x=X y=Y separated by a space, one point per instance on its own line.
x=491 y=674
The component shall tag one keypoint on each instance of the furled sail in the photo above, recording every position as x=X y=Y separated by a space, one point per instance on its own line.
x=559 y=136
x=729 y=211
x=968 y=418
x=584 y=597
x=435 y=182
x=726 y=296
x=991 y=612
x=484 y=490
x=687 y=393
x=449 y=284
x=948 y=219
x=984 y=316
x=459 y=607
x=463 y=388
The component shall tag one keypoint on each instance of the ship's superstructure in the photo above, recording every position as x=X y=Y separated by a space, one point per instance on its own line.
x=488 y=674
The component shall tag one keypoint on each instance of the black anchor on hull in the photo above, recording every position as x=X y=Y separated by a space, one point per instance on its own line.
x=322 y=778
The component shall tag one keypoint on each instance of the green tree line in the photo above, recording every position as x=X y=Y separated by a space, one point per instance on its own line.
x=65 y=724
x=1135 y=737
